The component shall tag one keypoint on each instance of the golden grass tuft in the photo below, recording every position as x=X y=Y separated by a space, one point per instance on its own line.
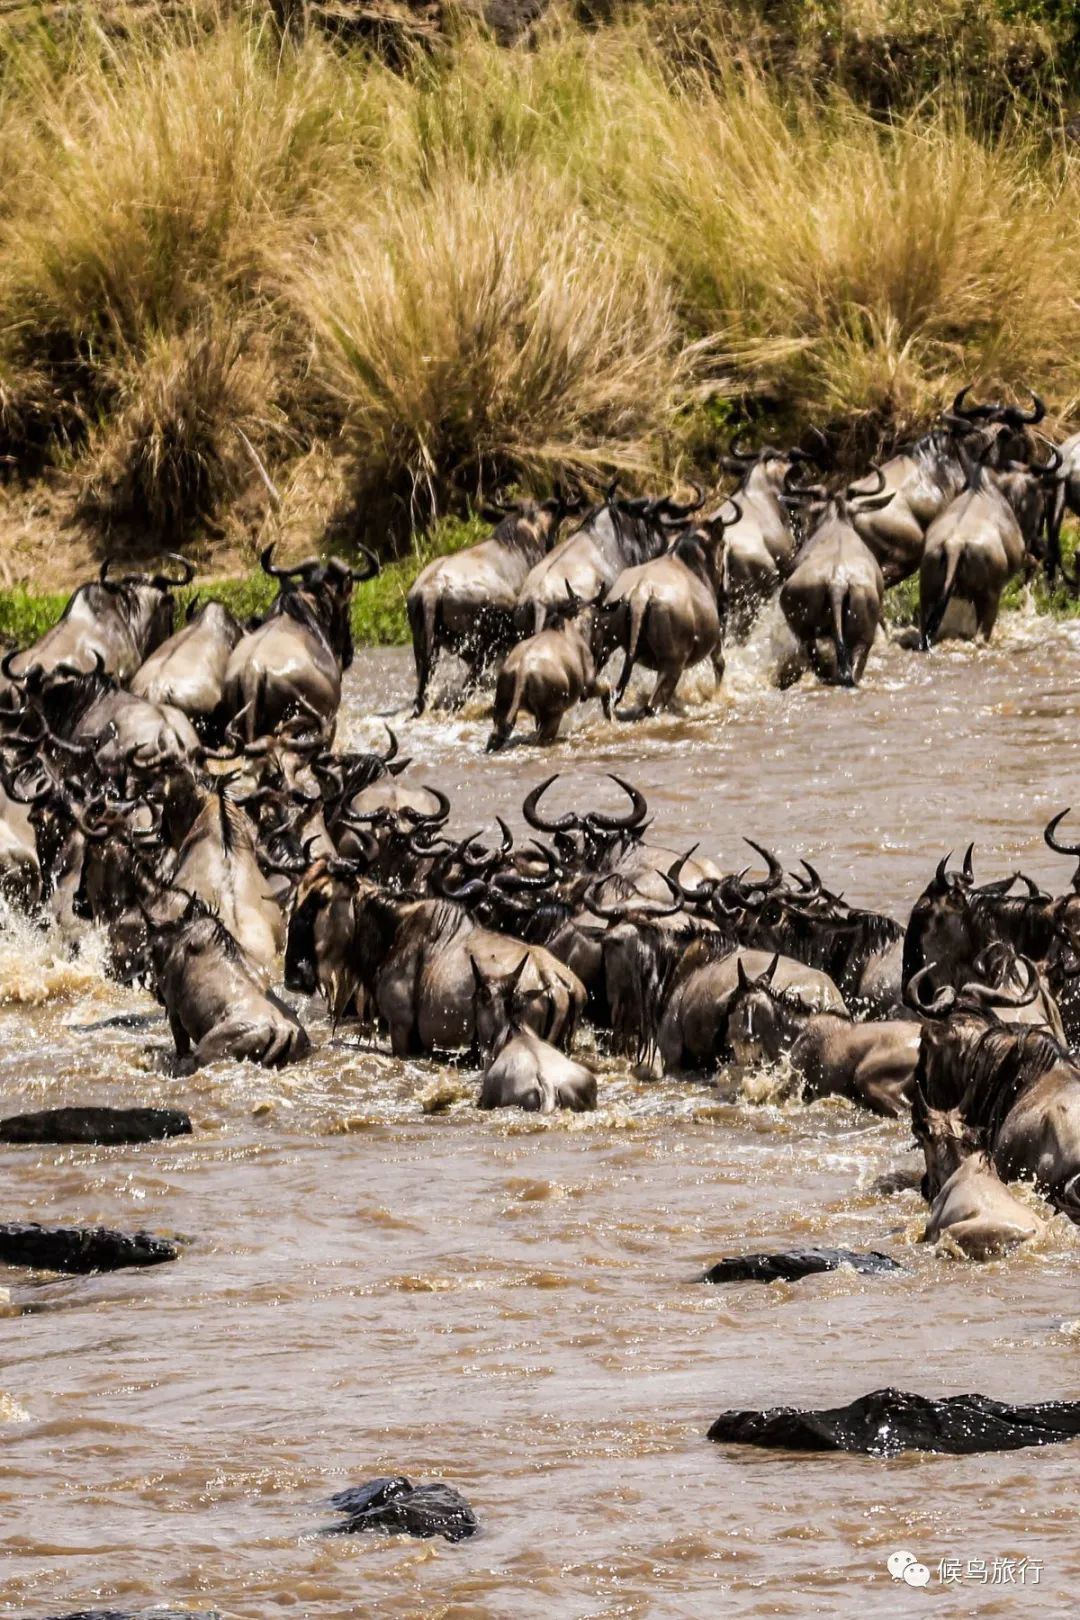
x=508 y=263
x=170 y=449
x=481 y=329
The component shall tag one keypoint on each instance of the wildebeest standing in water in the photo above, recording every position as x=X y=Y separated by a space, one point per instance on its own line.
x=665 y=614
x=465 y=602
x=216 y=1004
x=292 y=664
x=832 y=599
x=521 y=1070
x=549 y=674
x=109 y=623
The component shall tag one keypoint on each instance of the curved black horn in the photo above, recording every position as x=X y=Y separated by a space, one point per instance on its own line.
x=776 y=871
x=567 y=823
x=266 y=563
x=971 y=413
x=639 y=809
x=853 y=493
x=166 y=582
x=1055 y=843
x=372 y=565
x=913 y=995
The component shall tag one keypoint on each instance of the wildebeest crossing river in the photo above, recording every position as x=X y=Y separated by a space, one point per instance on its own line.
x=376 y=1278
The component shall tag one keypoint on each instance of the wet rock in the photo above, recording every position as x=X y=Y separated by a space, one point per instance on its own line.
x=889 y=1421
x=79 y=1248
x=791 y=1264
x=105 y=1127
x=392 y=1503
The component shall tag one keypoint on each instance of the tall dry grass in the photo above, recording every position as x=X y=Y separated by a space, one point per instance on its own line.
x=495 y=264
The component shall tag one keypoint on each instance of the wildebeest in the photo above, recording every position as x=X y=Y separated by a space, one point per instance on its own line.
x=111 y=623
x=465 y=602
x=615 y=535
x=923 y=478
x=548 y=674
x=665 y=615
x=693 y=1028
x=953 y=924
x=292 y=664
x=759 y=546
x=871 y=1064
x=969 y=1202
x=521 y=1070
x=413 y=961
x=1015 y=1083
x=832 y=599
x=187 y=671
x=216 y=1005
x=218 y=862
x=975 y=546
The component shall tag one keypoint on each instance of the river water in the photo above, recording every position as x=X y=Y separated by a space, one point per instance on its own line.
x=376 y=1278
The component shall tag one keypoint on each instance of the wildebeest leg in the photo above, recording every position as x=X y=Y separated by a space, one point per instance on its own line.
x=234 y=1039
x=664 y=690
x=601 y=690
x=547 y=730
x=422 y=624
x=624 y=678
x=986 y=616
x=180 y=1036
x=859 y=663
x=716 y=658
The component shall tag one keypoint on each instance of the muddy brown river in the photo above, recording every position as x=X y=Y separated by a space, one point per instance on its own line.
x=376 y=1278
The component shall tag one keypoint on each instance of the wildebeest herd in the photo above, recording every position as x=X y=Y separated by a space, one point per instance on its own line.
x=970 y=505
x=179 y=790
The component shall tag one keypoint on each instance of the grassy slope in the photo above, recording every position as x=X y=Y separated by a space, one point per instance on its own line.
x=603 y=252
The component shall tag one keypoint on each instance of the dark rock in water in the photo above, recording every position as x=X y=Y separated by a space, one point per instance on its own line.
x=142 y=1614
x=393 y=1503
x=889 y=1421
x=101 y=1126
x=79 y=1248
x=791 y=1264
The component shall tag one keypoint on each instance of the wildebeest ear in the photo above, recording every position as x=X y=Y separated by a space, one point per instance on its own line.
x=770 y=971
x=744 y=982
x=515 y=977
x=478 y=977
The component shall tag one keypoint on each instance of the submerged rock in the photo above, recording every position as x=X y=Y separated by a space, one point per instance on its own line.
x=791 y=1264
x=79 y=1248
x=889 y=1421
x=104 y=1127
x=392 y=1503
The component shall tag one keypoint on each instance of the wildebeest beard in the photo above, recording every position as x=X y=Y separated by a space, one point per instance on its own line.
x=984 y=1067
x=838 y=946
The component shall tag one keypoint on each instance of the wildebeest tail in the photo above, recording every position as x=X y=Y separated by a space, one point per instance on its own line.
x=422 y=608
x=509 y=692
x=839 y=591
x=936 y=615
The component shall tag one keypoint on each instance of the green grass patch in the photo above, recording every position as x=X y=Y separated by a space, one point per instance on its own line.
x=378 y=610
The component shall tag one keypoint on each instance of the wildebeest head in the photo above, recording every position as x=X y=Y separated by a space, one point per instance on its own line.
x=320 y=938
x=946 y=1141
x=761 y=1023
x=496 y=1011
x=1000 y=429
x=939 y=930
x=145 y=601
x=321 y=589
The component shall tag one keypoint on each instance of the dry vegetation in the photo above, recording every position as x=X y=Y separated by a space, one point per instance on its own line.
x=403 y=285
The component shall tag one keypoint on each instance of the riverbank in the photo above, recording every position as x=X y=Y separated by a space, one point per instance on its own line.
x=226 y=252
x=378 y=611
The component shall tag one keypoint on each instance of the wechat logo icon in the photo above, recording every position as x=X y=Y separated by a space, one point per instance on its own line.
x=904 y=1566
